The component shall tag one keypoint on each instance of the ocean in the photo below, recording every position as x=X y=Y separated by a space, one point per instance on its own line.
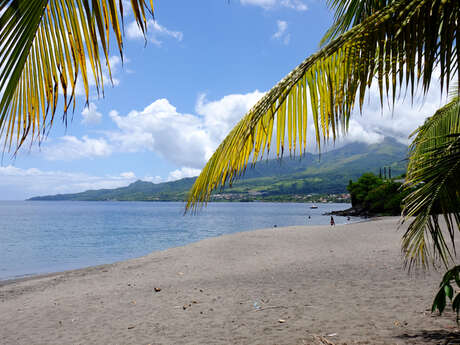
x=50 y=236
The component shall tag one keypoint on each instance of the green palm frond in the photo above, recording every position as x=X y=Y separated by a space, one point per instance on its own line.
x=397 y=45
x=434 y=178
x=348 y=13
x=45 y=46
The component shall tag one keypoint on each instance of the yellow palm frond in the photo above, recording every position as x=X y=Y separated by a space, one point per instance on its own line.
x=45 y=46
x=401 y=43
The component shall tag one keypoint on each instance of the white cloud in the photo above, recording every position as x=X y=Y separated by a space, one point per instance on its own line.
x=297 y=5
x=128 y=175
x=281 y=34
x=90 y=115
x=400 y=123
x=183 y=173
x=174 y=175
x=179 y=138
x=17 y=183
x=155 y=32
x=183 y=139
x=222 y=115
x=69 y=148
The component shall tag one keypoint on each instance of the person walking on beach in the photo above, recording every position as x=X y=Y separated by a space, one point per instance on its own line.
x=332 y=221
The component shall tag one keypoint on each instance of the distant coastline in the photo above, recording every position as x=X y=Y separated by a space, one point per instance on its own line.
x=312 y=178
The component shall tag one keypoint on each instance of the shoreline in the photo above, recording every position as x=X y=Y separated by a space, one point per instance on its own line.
x=30 y=276
x=270 y=286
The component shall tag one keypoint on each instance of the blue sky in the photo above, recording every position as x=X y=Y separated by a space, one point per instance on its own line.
x=175 y=98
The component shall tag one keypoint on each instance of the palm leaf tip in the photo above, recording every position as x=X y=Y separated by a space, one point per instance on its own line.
x=45 y=46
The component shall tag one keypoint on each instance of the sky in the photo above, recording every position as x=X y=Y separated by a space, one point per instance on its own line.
x=178 y=93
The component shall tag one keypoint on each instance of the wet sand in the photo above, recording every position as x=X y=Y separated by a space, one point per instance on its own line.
x=296 y=285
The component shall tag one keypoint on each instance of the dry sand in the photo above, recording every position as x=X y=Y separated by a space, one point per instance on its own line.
x=345 y=284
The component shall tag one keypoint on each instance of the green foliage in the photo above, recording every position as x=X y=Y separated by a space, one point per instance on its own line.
x=446 y=290
x=434 y=169
x=376 y=195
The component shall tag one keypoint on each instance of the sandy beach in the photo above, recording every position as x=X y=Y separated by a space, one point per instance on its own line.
x=294 y=285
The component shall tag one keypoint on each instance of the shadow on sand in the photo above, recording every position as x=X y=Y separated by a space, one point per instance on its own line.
x=433 y=337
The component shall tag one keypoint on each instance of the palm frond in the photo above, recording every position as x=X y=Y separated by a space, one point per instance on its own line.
x=348 y=13
x=44 y=49
x=400 y=43
x=434 y=180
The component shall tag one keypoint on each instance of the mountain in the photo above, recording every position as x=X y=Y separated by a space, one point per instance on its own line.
x=285 y=179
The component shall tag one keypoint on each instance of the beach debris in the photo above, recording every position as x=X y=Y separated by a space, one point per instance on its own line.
x=332 y=335
x=281 y=320
x=180 y=273
x=322 y=340
x=133 y=302
x=157 y=289
x=256 y=305
x=201 y=290
x=131 y=327
x=272 y=307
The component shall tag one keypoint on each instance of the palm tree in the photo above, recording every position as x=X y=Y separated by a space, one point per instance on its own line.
x=45 y=46
x=396 y=44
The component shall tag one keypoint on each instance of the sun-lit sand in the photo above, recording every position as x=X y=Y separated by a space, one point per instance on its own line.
x=295 y=285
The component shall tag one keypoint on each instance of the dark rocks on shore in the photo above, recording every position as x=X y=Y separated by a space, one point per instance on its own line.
x=351 y=212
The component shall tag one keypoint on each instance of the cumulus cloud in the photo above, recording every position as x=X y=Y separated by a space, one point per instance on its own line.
x=281 y=33
x=179 y=138
x=398 y=122
x=17 y=183
x=297 y=5
x=69 y=148
x=184 y=139
x=220 y=116
x=90 y=115
x=155 y=32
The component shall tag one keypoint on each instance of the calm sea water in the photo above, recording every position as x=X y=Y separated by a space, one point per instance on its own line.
x=43 y=237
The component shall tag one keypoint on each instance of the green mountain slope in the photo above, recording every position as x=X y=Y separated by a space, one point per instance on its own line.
x=284 y=179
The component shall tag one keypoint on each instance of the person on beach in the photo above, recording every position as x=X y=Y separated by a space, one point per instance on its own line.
x=332 y=221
